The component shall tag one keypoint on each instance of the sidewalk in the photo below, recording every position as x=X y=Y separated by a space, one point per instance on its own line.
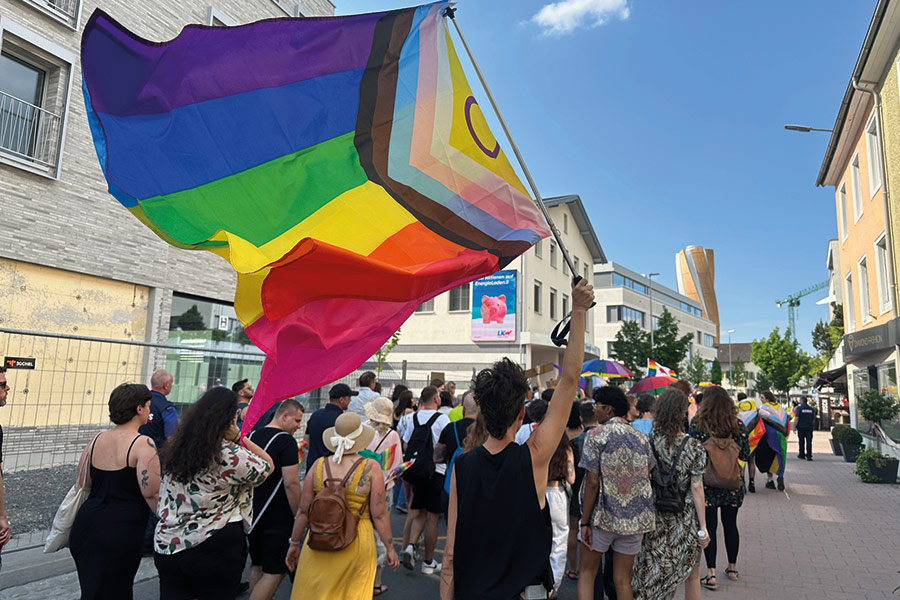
x=828 y=536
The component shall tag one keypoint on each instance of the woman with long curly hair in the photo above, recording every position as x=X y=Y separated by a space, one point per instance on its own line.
x=717 y=418
x=206 y=501
x=560 y=473
x=670 y=554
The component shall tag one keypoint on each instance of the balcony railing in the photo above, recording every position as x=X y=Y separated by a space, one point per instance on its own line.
x=64 y=10
x=29 y=132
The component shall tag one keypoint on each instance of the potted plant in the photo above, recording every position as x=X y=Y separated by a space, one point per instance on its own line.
x=851 y=444
x=836 y=436
x=876 y=407
x=874 y=467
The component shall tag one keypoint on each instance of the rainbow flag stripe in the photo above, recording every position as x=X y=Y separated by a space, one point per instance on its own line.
x=342 y=166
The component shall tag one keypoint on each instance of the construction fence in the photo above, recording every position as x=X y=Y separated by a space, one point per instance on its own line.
x=58 y=401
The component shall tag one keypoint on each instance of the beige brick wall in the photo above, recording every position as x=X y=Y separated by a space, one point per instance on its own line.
x=73 y=223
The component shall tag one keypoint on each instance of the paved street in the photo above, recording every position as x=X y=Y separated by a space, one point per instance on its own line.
x=829 y=537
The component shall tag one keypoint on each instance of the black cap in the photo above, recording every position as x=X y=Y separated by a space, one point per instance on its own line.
x=340 y=390
x=237 y=386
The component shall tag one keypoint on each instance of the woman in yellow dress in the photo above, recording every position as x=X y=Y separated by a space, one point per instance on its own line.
x=349 y=573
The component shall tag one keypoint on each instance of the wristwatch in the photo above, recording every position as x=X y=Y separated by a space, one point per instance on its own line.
x=292 y=542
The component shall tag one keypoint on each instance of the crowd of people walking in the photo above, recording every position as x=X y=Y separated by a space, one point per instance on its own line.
x=621 y=494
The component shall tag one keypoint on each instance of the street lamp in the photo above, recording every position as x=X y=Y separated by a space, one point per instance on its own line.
x=804 y=128
x=730 y=366
x=650 y=276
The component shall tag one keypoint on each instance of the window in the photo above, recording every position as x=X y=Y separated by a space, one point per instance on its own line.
x=35 y=79
x=538 y=250
x=553 y=304
x=881 y=273
x=537 y=296
x=64 y=11
x=864 y=304
x=426 y=307
x=615 y=314
x=621 y=280
x=459 y=298
x=842 y=202
x=565 y=223
x=857 y=190
x=576 y=265
x=565 y=305
x=655 y=322
x=699 y=337
x=586 y=274
x=217 y=18
x=709 y=340
x=552 y=254
x=610 y=351
x=849 y=321
x=873 y=152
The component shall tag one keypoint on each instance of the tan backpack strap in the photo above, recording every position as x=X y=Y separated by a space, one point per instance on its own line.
x=346 y=480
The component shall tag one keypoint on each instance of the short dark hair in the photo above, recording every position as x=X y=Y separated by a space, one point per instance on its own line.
x=612 y=395
x=2 y=369
x=125 y=400
x=500 y=394
x=574 y=421
x=288 y=405
x=237 y=386
x=586 y=409
x=437 y=382
x=428 y=392
x=446 y=398
x=366 y=379
x=684 y=386
x=537 y=410
x=547 y=395
x=645 y=403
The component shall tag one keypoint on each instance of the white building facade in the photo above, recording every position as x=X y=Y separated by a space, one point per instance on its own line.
x=625 y=295
x=437 y=338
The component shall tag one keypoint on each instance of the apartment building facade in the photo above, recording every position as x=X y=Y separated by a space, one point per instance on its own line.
x=863 y=151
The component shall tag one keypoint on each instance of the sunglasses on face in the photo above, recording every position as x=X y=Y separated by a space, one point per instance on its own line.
x=4 y=385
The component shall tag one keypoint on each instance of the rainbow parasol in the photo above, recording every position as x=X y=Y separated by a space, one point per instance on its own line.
x=605 y=368
x=652 y=385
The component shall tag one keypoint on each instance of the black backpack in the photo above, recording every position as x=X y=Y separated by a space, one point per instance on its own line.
x=420 y=449
x=668 y=497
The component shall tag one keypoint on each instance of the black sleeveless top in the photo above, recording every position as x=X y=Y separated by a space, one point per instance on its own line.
x=503 y=536
x=117 y=488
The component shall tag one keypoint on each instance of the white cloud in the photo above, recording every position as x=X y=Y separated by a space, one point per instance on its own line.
x=566 y=16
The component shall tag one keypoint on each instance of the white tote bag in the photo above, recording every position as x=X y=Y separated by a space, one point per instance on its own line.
x=65 y=516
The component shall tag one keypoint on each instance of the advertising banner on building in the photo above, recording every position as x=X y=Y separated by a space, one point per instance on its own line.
x=494 y=308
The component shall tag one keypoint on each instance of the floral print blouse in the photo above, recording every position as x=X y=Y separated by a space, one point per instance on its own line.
x=621 y=455
x=190 y=513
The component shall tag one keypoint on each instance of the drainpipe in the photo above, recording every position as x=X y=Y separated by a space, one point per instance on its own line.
x=892 y=285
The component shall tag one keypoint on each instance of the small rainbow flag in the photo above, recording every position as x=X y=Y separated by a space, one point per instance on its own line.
x=302 y=445
x=655 y=369
x=398 y=470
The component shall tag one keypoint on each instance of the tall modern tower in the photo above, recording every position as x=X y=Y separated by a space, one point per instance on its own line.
x=695 y=269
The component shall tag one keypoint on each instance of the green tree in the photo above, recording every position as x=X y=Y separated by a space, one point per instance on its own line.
x=191 y=320
x=632 y=348
x=382 y=354
x=715 y=372
x=763 y=384
x=738 y=374
x=669 y=348
x=694 y=370
x=781 y=360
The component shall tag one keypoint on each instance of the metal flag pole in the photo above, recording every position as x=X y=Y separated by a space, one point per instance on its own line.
x=451 y=12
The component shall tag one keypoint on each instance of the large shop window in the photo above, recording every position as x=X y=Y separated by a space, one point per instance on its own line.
x=883 y=378
x=213 y=332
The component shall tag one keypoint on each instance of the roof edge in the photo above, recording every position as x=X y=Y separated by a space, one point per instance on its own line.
x=584 y=223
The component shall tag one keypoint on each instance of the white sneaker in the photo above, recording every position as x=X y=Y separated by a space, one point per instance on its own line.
x=431 y=568
x=408 y=558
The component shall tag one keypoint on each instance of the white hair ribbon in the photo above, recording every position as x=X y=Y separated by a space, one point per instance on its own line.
x=342 y=443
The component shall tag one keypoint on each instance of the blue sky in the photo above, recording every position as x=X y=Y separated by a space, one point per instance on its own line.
x=667 y=119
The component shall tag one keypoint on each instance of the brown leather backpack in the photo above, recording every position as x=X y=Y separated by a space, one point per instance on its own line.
x=723 y=470
x=332 y=526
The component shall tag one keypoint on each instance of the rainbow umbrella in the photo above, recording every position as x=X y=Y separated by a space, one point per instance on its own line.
x=605 y=368
x=652 y=385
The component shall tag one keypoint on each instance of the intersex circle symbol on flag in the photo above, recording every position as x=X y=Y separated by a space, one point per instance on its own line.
x=492 y=153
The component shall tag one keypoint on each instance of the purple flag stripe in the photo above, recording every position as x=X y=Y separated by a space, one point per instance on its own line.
x=128 y=75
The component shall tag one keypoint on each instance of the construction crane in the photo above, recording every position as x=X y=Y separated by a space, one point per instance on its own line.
x=793 y=301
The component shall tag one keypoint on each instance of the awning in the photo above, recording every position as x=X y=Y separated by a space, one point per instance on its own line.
x=835 y=377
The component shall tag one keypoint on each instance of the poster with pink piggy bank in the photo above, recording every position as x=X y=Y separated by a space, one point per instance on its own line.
x=494 y=308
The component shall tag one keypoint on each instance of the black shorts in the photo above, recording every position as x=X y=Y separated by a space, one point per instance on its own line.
x=268 y=548
x=211 y=570
x=427 y=495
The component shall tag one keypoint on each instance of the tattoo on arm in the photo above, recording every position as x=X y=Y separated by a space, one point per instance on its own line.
x=145 y=479
x=570 y=469
x=152 y=445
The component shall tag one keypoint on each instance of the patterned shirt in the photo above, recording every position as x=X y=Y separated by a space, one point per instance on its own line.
x=190 y=513
x=621 y=455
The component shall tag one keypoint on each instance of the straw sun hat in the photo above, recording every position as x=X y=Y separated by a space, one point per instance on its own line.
x=348 y=436
x=380 y=410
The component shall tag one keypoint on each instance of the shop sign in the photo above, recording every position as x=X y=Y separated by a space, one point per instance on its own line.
x=870 y=339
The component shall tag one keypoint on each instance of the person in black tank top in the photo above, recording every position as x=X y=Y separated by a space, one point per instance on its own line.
x=498 y=534
x=108 y=531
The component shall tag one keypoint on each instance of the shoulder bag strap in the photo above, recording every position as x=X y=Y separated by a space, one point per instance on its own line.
x=456 y=433
x=678 y=455
x=278 y=485
x=382 y=439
